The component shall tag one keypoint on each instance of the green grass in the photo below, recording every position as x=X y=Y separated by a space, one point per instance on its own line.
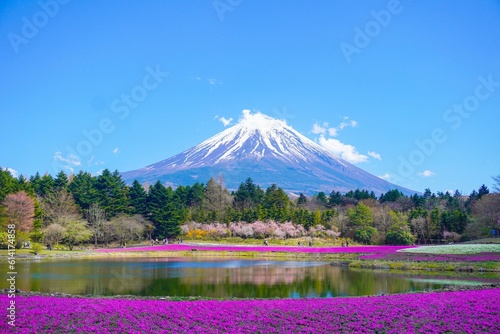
x=455 y=249
x=484 y=241
x=21 y=254
x=431 y=265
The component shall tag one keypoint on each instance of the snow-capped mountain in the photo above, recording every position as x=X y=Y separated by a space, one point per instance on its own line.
x=267 y=150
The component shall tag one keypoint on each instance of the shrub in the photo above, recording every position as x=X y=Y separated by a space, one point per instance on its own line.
x=36 y=248
x=399 y=238
x=366 y=235
x=451 y=236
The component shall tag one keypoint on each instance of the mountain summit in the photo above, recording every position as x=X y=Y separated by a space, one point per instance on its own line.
x=267 y=150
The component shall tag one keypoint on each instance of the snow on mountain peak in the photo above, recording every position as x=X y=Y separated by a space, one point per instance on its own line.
x=256 y=136
x=259 y=121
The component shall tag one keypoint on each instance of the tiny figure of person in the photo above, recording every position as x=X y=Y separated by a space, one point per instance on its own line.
x=265 y=243
x=310 y=243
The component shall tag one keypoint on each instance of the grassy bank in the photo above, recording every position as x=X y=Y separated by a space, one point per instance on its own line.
x=484 y=266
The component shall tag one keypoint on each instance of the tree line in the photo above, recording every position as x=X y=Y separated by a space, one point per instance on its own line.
x=102 y=209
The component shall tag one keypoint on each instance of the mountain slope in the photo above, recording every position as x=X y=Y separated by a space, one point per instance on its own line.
x=267 y=150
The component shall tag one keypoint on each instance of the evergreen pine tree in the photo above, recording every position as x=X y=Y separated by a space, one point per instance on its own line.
x=138 y=199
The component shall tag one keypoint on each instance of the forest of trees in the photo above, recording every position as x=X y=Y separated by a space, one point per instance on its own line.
x=103 y=210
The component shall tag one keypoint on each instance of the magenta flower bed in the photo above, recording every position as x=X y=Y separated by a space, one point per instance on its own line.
x=440 y=312
x=291 y=249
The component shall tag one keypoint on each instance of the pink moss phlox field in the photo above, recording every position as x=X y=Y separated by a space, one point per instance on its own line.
x=472 y=311
x=290 y=249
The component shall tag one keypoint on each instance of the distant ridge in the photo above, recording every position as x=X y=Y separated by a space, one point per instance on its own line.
x=267 y=150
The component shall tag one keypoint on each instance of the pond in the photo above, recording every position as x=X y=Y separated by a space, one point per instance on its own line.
x=221 y=278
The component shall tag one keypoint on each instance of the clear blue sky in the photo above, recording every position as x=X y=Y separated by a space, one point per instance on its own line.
x=407 y=90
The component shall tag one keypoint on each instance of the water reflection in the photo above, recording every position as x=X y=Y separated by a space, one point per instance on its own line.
x=241 y=278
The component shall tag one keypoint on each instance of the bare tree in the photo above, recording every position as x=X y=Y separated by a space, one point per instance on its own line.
x=496 y=186
x=96 y=216
x=149 y=227
x=58 y=204
x=404 y=203
x=53 y=234
x=421 y=227
x=126 y=229
x=381 y=219
x=487 y=211
x=217 y=197
x=341 y=222
x=20 y=210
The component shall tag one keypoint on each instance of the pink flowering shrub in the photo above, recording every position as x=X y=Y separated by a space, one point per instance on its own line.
x=214 y=230
x=258 y=230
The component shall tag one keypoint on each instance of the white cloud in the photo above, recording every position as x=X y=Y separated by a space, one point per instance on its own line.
x=13 y=172
x=211 y=81
x=99 y=172
x=116 y=150
x=321 y=129
x=318 y=129
x=347 y=123
x=374 y=155
x=386 y=176
x=223 y=120
x=427 y=173
x=214 y=82
x=71 y=159
x=333 y=132
x=343 y=151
